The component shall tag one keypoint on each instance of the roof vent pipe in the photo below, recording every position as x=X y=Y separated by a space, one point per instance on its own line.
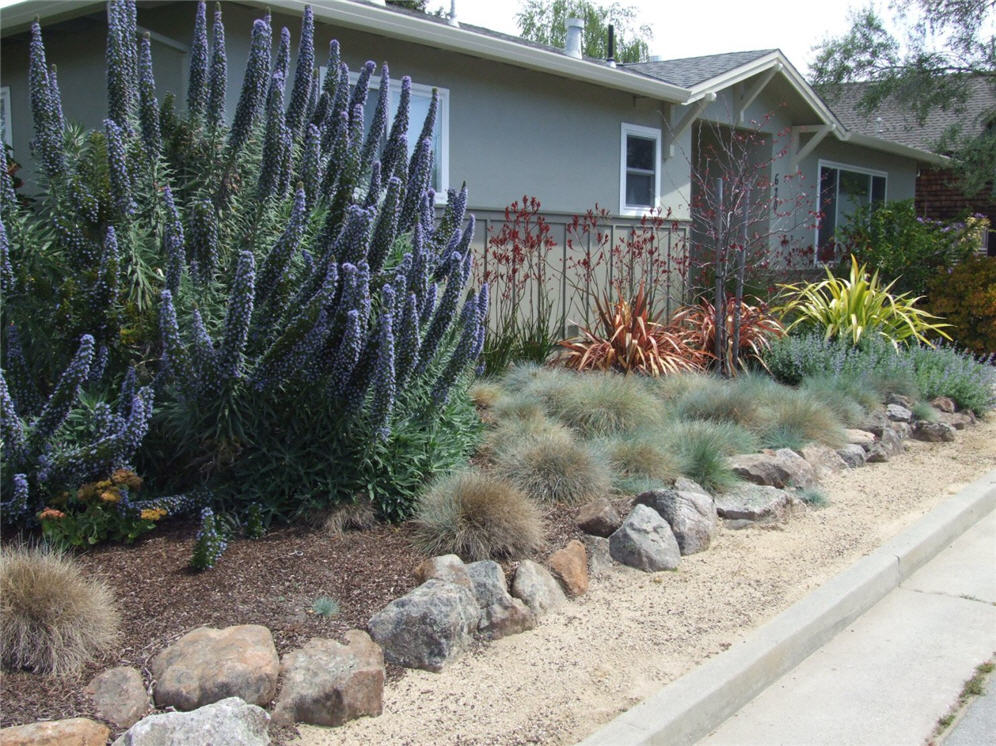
x=611 y=59
x=574 y=29
x=453 y=14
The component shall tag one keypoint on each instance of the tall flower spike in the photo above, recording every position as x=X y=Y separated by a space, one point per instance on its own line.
x=396 y=150
x=197 y=92
x=463 y=354
x=202 y=240
x=418 y=180
x=22 y=383
x=373 y=190
x=386 y=229
x=301 y=92
x=354 y=241
x=105 y=290
x=407 y=340
x=175 y=358
x=273 y=142
x=56 y=98
x=20 y=502
x=378 y=125
x=239 y=314
x=253 y=88
x=119 y=63
x=311 y=177
x=148 y=106
x=279 y=258
x=384 y=374
x=11 y=428
x=8 y=199
x=360 y=90
x=129 y=385
x=173 y=243
x=281 y=63
x=338 y=108
x=442 y=317
x=204 y=359
x=218 y=76
x=331 y=68
x=313 y=97
x=347 y=355
x=339 y=142
x=320 y=111
x=117 y=165
x=6 y=269
x=48 y=135
x=63 y=397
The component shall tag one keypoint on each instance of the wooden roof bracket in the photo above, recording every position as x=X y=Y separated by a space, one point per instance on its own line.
x=748 y=96
x=819 y=132
x=685 y=122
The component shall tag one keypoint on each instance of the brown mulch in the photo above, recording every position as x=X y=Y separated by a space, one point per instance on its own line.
x=271 y=581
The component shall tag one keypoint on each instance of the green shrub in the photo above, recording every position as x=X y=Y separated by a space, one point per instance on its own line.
x=54 y=619
x=640 y=461
x=904 y=247
x=966 y=297
x=476 y=516
x=944 y=371
x=554 y=469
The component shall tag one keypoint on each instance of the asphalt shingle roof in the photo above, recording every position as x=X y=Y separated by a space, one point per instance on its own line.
x=891 y=121
x=688 y=72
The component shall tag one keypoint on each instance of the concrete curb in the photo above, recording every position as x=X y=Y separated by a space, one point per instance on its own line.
x=692 y=706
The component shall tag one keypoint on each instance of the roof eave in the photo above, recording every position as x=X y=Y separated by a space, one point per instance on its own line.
x=381 y=21
x=889 y=146
x=19 y=16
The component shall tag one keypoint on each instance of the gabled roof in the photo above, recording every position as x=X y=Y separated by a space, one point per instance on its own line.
x=689 y=72
x=895 y=122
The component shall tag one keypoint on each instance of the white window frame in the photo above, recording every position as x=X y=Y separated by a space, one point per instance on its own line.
x=414 y=128
x=7 y=134
x=646 y=133
x=820 y=164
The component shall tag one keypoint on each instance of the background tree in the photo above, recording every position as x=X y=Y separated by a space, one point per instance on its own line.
x=545 y=22
x=947 y=48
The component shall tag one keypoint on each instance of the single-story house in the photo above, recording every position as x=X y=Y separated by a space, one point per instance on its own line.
x=522 y=118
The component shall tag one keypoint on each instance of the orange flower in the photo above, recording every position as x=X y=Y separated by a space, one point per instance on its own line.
x=110 y=496
x=127 y=477
x=51 y=513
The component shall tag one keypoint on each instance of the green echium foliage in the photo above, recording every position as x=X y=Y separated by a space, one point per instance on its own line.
x=278 y=282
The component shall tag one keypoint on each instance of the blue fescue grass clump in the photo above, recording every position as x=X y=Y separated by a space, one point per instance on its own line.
x=278 y=284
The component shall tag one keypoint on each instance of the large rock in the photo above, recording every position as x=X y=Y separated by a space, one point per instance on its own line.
x=326 y=683
x=902 y=429
x=570 y=567
x=824 y=460
x=957 y=420
x=898 y=413
x=861 y=438
x=853 y=455
x=689 y=511
x=875 y=423
x=599 y=517
x=943 y=403
x=783 y=468
x=501 y=614
x=119 y=696
x=934 y=432
x=599 y=559
x=888 y=445
x=446 y=567
x=754 y=502
x=540 y=591
x=228 y=722
x=71 y=732
x=208 y=665
x=645 y=541
x=903 y=401
x=427 y=627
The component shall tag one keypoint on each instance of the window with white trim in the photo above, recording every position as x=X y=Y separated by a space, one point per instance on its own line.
x=843 y=189
x=639 y=169
x=417 y=110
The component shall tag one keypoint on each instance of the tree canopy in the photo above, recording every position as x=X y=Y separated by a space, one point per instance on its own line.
x=545 y=22
x=947 y=47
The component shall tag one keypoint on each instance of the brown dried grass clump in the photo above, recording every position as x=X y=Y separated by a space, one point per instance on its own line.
x=53 y=619
x=477 y=516
x=358 y=516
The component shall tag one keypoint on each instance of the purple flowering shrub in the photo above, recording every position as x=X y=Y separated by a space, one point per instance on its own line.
x=280 y=281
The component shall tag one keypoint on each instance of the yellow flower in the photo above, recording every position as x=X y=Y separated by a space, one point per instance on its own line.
x=110 y=496
x=152 y=514
x=128 y=478
x=86 y=492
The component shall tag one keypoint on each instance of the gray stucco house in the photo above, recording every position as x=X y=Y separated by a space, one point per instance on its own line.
x=520 y=118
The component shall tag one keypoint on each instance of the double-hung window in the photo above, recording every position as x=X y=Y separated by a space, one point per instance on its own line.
x=418 y=108
x=639 y=173
x=843 y=190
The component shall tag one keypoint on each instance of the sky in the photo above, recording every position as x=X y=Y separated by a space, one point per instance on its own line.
x=689 y=29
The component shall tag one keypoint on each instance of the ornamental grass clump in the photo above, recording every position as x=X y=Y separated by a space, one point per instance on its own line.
x=554 y=468
x=476 y=516
x=702 y=447
x=279 y=284
x=54 y=619
x=601 y=403
x=640 y=461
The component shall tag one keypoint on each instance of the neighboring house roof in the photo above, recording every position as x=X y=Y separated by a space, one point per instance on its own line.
x=681 y=81
x=895 y=122
x=689 y=72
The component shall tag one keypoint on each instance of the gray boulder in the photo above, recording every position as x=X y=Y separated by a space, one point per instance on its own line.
x=208 y=665
x=535 y=586
x=645 y=541
x=229 y=722
x=501 y=614
x=119 y=696
x=448 y=567
x=783 y=468
x=428 y=626
x=957 y=420
x=875 y=423
x=824 y=460
x=934 y=432
x=599 y=517
x=853 y=455
x=943 y=403
x=888 y=445
x=326 y=683
x=689 y=511
x=898 y=413
x=599 y=560
x=902 y=429
x=754 y=502
x=862 y=438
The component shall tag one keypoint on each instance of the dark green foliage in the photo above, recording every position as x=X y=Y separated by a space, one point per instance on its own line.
x=302 y=348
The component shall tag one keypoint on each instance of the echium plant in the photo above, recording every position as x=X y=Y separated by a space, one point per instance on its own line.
x=278 y=279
